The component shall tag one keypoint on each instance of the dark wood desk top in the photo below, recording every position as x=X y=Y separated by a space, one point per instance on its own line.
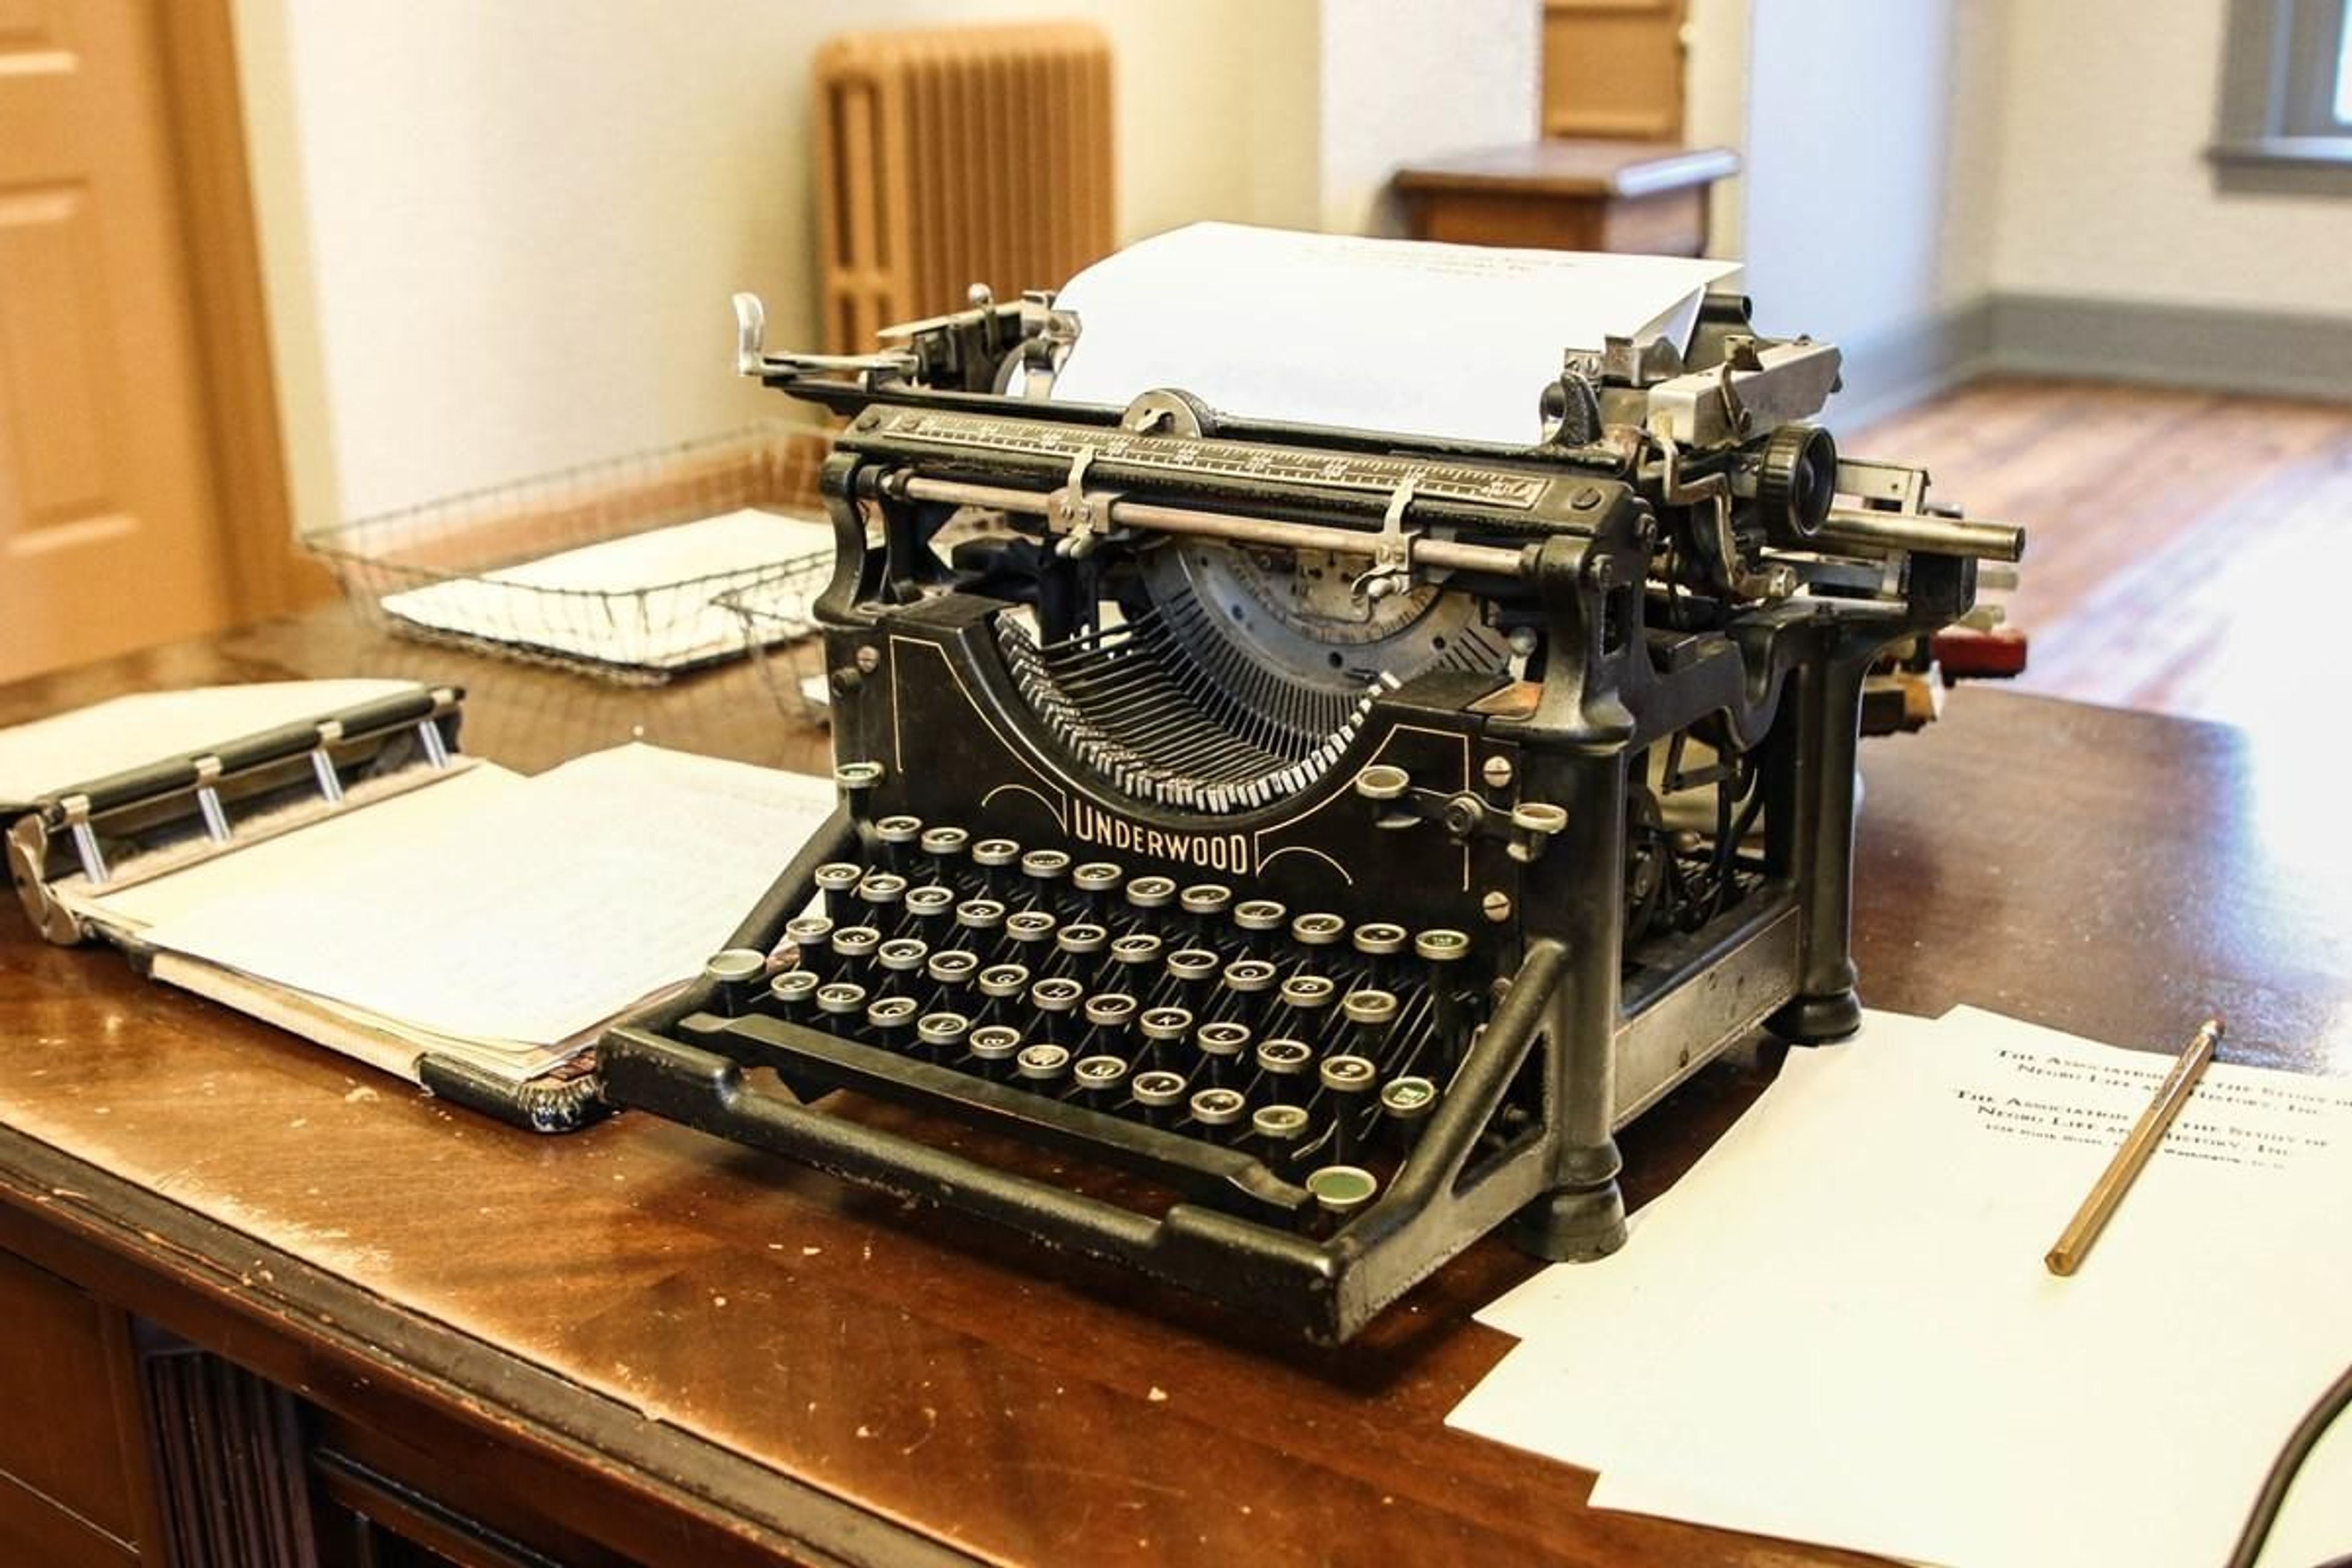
x=1565 y=166
x=722 y=1358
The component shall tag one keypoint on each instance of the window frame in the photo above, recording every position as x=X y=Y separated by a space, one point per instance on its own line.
x=2277 y=126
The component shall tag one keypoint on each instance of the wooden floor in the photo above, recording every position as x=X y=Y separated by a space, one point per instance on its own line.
x=2187 y=552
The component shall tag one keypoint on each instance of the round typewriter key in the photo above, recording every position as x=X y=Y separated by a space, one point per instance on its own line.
x=809 y=934
x=1045 y=868
x=1150 y=892
x=1005 y=980
x=993 y=1045
x=942 y=850
x=794 y=991
x=1159 y=1092
x=1100 y=1078
x=898 y=836
x=1222 y=1041
x=952 y=966
x=1351 y=1081
x=903 y=954
x=1218 y=1107
x=1442 y=946
x=942 y=1035
x=1370 y=1006
x=1207 y=903
x=1284 y=1058
x=1042 y=1063
x=1139 y=952
x=1343 y=1189
x=1280 y=1129
x=996 y=853
x=1378 y=944
x=1055 y=998
x=842 y=1005
x=1408 y=1099
x=1030 y=926
x=931 y=901
x=891 y=1012
x=855 y=941
x=857 y=775
x=1109 y=1009
x=1307 y=990
x=882 y=887
x=1082 y=939
x=1318 y=930
x=734 y=973
x=1166 y=1026
x=1258 y=919
x=983 y=915
x=835 y=880
x=1348 y=1074
x=1096 y=881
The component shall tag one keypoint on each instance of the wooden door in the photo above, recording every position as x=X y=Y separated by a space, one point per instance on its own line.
x=109 y=538
x=1613 y=68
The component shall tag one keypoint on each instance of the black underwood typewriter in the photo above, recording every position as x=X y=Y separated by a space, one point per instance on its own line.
x=1317 y=842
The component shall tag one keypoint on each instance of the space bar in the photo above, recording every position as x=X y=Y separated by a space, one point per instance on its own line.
x=1198 y=1169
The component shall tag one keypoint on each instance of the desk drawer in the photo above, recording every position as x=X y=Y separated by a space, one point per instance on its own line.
x=67 y=1425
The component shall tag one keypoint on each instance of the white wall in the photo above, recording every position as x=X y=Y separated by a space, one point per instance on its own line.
x=500 y=238
x=2105 y=193
x=1869 y=163
x=1406 y=78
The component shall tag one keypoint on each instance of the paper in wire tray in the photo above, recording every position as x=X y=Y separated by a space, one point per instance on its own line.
x=610 y=569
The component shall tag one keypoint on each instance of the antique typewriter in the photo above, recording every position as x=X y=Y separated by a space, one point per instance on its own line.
x=1274 y=855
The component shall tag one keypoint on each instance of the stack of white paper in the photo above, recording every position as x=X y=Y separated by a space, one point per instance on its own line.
x=1839 y=1328
x=1435 y=340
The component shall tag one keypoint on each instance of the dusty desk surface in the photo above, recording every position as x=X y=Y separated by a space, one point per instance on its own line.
x=711 y=1355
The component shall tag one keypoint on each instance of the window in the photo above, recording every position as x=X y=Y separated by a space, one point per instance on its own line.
x=2286 y=120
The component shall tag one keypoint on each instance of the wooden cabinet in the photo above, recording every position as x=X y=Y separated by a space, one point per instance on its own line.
x=76 y=1484
x=1643 y=196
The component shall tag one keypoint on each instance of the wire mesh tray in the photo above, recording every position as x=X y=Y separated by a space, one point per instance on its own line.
x=611 y=569
x=779 y=625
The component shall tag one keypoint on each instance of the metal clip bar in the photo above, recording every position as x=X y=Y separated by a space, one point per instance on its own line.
x=436 y=750
x=323 y=765
x=208 y=800
x=85 y=837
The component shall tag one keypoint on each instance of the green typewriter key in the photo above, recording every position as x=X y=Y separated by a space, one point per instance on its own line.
x=1101 y=1081
x=898 y=836
x=1259 y=921
x=940 y=1036
x=735 y=974
x=1043 y=1065
x=1148 y=899
x=1349 y=1082
x=1405 y=1105
x=942 y=856
x=1220 y=1044
x=836 y=880
x=1055 y=1001
x=794 y=994
x=841 y=1008
x=993 y=1047
x=890 y=1022
x=1160 y=1092
x=1339 y=1191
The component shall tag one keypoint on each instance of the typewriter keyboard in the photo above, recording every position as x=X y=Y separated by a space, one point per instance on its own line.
x=1235 y=1049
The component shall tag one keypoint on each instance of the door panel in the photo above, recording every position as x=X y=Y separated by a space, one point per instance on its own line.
x=109 y=538
x=1613 y=68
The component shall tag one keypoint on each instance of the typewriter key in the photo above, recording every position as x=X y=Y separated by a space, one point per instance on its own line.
x=734 y=973
x=1077 y=951
x=1136 y=964
x=853 y=953
x=1318 y=930
x=1258 y=921
x=1160 y=1092
x=1097 y=883
x=1208 y=903
x=979 y=923
x=999 y=860
x=903 y=955
x=941 y=854
x=843 y=1007
x=882 y=896
x=1342 y=1190
x=835 y=880
x=1101 y=1079
x=1445 y=951
x=1043 y=1065
x=1284 y=1059
x=1372 y=1018
x=1406 y=1104
x=1164 y=1031
x=794 y=993
x=898 y=836
x=929 y=909
x=1221 y=1045
x=809 y=936
x=1110 y=1015
x=1046 y=874
x=1146 y=900
x=1218 y=1109
x=1303 y=1008
x=1246 y=983
x=942 y=1035
x=1191 y=979
x=993 y=1047
x=1349 y=1080
x=1281 y=1133
x=892 y=1019
x=952 y=967
x=1378 y=945
x=1055 y=998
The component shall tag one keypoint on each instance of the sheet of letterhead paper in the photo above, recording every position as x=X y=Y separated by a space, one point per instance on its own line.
x=1437 y=339
x=549 y=909
x=145 y=727
x=1856 y=1342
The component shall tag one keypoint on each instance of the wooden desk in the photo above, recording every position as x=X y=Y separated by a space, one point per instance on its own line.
x=642 y=1342
x=1562 y=193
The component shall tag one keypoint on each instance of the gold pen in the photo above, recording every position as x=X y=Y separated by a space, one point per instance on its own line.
x=2137 y=1145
